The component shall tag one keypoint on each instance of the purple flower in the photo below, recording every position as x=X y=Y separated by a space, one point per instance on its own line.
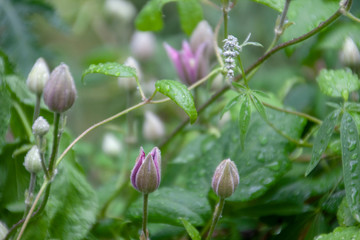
x=226 y=179
x=190 y=65
x=146 y=174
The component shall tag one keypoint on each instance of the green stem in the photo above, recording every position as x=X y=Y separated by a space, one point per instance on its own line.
x=242 y=70
x=217 y=213
x=225 y=16
x=56 y=138
x=29 y=196
x=352 y=17
x=300 y=114
x=42 y=157
x=145 y=215
x=37 y=107
x=23 y=119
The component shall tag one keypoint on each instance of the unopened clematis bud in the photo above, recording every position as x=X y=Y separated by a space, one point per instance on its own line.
x=146 y=174
x=226 y=179
x=203 y=33
x=188 y=63
x=153 y=128
x=32 y=161
x=40 y=127
x=349 y=54
x=60 y=91
x=143 y=45
x=38 y=76
x=130 y=83
x=122 y=9
x=111 y=145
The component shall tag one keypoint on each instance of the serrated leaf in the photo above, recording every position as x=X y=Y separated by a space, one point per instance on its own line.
x=350 y=148
x=352 y=107
x=278 y=5
x=322 y=139
x=341 y=233
x=110 y=69
x=229 y=105
x=337 y=83
x=191 y=14
x=244 y=119
x=179 y=93
x=167 y=205
x=259 y=106
x=191 y=230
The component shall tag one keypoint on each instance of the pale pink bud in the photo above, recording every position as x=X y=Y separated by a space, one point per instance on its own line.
x=226 y=179
x=349 y=54
x=146 y=174
x=153 y=128
x=60 y=91
x=130 y=83
x=143 y=45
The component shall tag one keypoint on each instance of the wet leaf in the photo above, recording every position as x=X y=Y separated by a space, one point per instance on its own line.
x=110 y=69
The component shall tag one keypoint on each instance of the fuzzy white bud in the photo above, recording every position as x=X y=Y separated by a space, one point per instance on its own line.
x=40 y=126
x=349 y=54
x=111 y=145
x=130 y=83
x=38 y=76
x=32 y=161
x=153 y=128
x=143 y=45
x=124 y=10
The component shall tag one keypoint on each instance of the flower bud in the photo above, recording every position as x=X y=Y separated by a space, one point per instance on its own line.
x=60 y=91
x=153 y=128
x=121 y=9
x=203 y=33
x=130 y=83
x=111 y=145
x=143 y=45
x=226 y=179
x=32 y=161
x=349 y=54
x=40 y=127
x=38 y=76
x=3 y=230
x=146 y=174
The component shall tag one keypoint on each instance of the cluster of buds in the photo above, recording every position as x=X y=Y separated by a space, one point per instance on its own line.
x=146 y=174
x=231 y=50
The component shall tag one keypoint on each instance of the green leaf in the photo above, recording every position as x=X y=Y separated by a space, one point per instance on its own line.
x=179 y=93
x=341 y=233
x=322 y=139
x=238 y=85
x=278 y=5
x=350 y=149
x=110 y=69
x=229 y=105
x=338 y=83
x=244 y=119
x=259 y=106
x=150 y=17
x=191 y=230
x=167 y=205
x=344 y=217
x=261 y=163
x=5 y=106
x=191 y=14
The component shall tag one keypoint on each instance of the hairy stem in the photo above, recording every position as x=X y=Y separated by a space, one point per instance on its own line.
x=217 y=213
x=145 y=215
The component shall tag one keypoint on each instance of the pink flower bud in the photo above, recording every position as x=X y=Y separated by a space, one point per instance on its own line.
x=60 y=91
x=226 y=179
x=146 y=174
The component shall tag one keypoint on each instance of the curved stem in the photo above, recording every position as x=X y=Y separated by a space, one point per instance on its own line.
x=351 y=16
x=30 y=193
x=300 y=114
x=217 y=213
